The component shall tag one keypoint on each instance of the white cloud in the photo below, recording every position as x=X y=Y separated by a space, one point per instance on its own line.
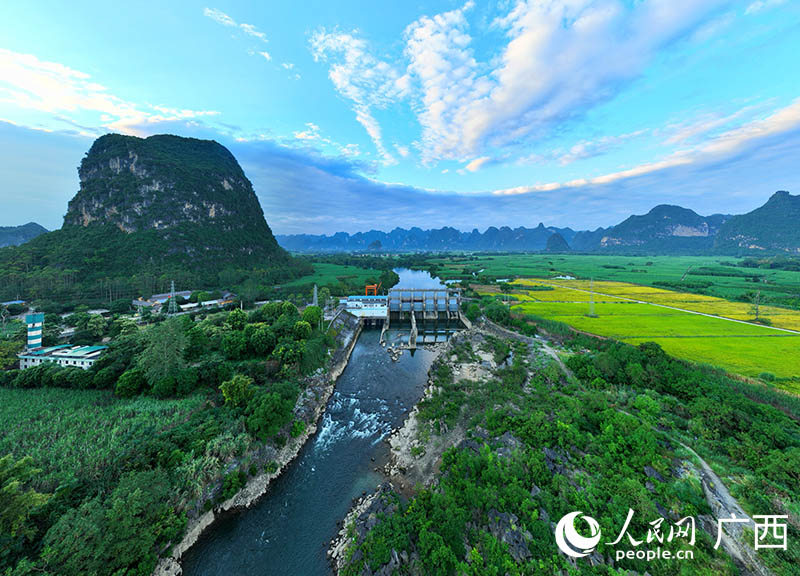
x=351 y=150
x=310 y=133
x=440 y=60
x=561 y=58
x=721 y=146
x=251 y=30
x=266 y=55
x=477 y=163
x=55 y=89
x=760 y=5
x=367 y=82
x=287 y=65
x=402 y=150
x=221 y=17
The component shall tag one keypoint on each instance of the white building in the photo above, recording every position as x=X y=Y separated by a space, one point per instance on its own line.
x=64 y=355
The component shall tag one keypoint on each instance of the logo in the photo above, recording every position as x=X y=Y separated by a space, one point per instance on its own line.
x=570 y=542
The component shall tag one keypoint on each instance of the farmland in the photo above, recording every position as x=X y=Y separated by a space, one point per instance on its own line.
x=698 y=328
x=722 y=277
x=326 y=273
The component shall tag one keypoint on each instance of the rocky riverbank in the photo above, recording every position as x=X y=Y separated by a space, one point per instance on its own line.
x=310 y=407
x=412 y=463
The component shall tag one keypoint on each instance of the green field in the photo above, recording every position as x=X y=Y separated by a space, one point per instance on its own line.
x=776 y=286
x=679 y=322
x=327 y=274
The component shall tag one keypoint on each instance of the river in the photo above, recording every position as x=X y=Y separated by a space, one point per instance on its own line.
x=287 y=532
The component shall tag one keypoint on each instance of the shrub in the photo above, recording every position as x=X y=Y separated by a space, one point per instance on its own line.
x=130 y=384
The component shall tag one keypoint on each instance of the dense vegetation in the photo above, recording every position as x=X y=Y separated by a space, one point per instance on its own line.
x=770 y=228
x=15 y=235
x=174 y=418
x=541 y=443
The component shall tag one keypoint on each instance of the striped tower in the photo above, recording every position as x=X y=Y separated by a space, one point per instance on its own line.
x=35 y=324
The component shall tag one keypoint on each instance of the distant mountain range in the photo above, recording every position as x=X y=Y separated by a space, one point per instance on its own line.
x=416 y=239
x=16 y=235
x=772 y=228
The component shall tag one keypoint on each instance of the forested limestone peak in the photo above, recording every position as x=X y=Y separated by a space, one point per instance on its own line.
x=164 y=181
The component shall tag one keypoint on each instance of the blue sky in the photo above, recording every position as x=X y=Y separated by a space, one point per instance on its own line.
x=358 y=115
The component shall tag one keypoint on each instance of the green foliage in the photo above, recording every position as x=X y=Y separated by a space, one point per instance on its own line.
x=237 y=319
x=237 y=391
x=473 y=312
x=19 y=501
x=498 y=312
x=124 y=532
x=302 y=330
x=312 y=315
x=603 y=443
x=271 y=409
x=162 y=359
x=125 y=472
x=130 y=383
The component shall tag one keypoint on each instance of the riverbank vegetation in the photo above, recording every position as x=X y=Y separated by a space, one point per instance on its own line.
x=172 y=420
x=603 y=437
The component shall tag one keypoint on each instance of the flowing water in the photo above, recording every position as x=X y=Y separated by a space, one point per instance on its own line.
x=286 y=533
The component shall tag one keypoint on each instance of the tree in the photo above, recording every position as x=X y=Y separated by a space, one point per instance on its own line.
x=234 y=345
x=312 y=315
x=237 y=319
x=498 y=313
x=324 y=296
x=130 y=384
x=97 y=325
x=473 y=311
x=302 y=330
x=237 y=391
x=8 y=353
x=263 y=341
x=18 y=503
x=289 y=310
x=270 y=410
x=163 y=355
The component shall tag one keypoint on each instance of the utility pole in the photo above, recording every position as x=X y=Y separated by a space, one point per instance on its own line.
x=173 y=305
x=758 y=302
x=315 y=300
x=591 y=299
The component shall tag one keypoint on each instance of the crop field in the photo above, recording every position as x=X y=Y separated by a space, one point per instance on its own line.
x=76 y=432
x=713 y=275
x=694 y=327
x=567 y=291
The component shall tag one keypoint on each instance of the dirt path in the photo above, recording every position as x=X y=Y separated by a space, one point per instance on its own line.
x=723 y=505
x=498 y=330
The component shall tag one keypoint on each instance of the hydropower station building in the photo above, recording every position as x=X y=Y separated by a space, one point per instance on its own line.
x=64 y=354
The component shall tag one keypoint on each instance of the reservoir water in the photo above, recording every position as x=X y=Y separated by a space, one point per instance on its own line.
x=287 y=531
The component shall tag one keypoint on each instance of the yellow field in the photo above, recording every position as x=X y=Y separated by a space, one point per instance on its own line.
x=604 y=291
x=676 y=321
